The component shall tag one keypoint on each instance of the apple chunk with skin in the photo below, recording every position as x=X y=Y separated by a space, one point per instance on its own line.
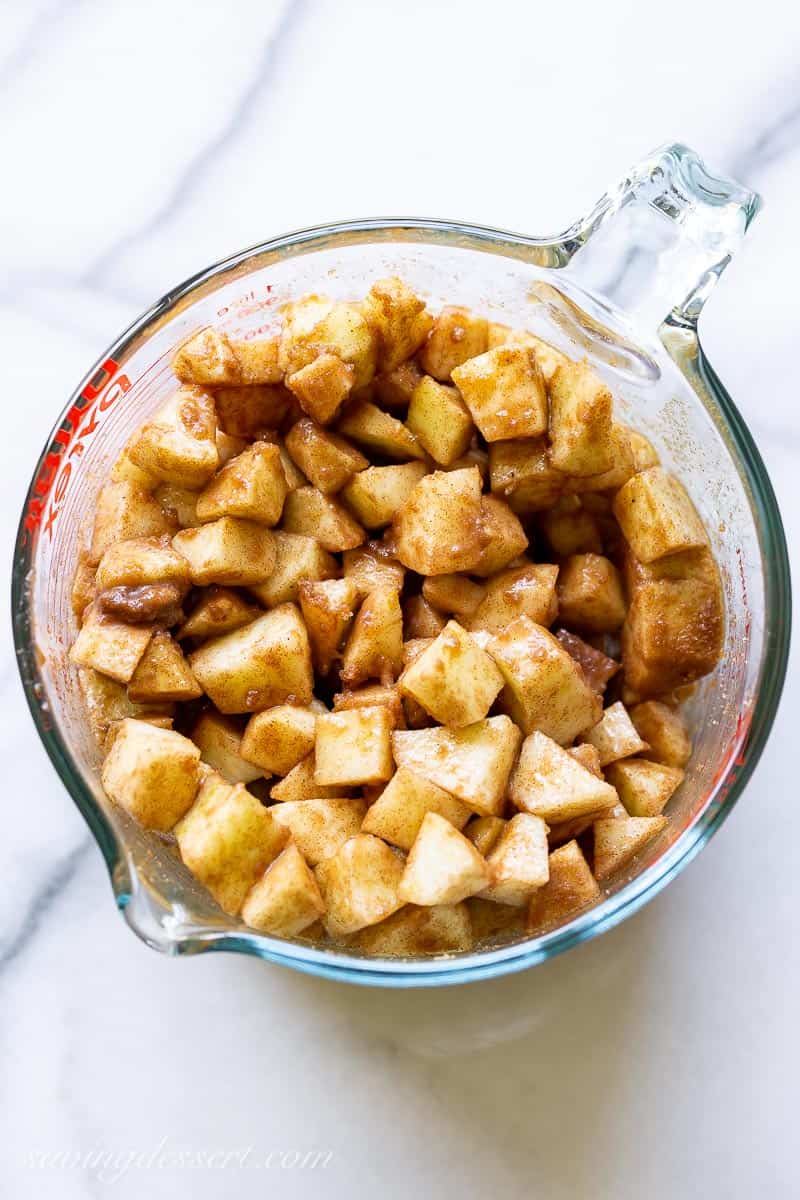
x=473 y=764
x=550 y=783
x=443 y=867
x=453 y=679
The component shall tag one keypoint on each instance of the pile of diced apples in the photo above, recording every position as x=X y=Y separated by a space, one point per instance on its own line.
x=348 y=617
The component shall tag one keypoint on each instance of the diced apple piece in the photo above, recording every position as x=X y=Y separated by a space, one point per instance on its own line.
x=377 y=430
x=328 y=460
x=518 y=863
x=438 y=417
x=84 y=588
x=359 y=885
x=397 y=814
x=263 y=664
x=521 y=474
x=179 y=504
x=394 y=389
x=457 y=335
x=320 y=827
x=621 y=469
x=354 y=747
x=616 y=841
x=252 y=485
x=590 y=594
x=657 y=517
x=228 y=447
x=229 y=550
x=296 y=558
x=374 y=648
x=454 y=680
x=615 y=735
x=665 y=731
x=570 y=888
x=571 y=531
x=179 y=445
x=374 y=694
x=581 y=417
x=673 y=632
x=443 y=867
x=140 y=561
x=376 y=494
x=492 y=922
x=279 y=738
x=453 y=594
x=644 y=452
x=220 y=610
x=550 y=783
x=588 y=756
x=473 y=764
x=483 y=832
x=644 y=787
x=421 y=619
x=163 y=674
x=398 y=319
x=301 y=784
x=219 y=740
x=528 y=591
x=503 y=537
x=125 y=470
x=596 y=666
x=547 y=355
x=286 y=899
x=228 y=839
x=505 y=392
x=310 y=513
x=328 y=608
x=440 y=929
x=152 y=773
x=109 y=646
x=439 y=527
x=210 y=357
x=369 y=570
x=246 y=412
x=314 y=325
x=545 y=688
x=322 y=386
x=107 y=703
x=123 y=511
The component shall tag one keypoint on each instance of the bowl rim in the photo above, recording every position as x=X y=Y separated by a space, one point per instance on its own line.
x=729 y=784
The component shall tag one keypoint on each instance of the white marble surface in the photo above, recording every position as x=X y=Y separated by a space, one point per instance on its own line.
x=143 y=140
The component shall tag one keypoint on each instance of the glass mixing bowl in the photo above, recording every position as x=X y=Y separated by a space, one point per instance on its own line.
x=624 y=286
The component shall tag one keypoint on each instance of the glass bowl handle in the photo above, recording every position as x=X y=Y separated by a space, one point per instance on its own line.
x=657 y=243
